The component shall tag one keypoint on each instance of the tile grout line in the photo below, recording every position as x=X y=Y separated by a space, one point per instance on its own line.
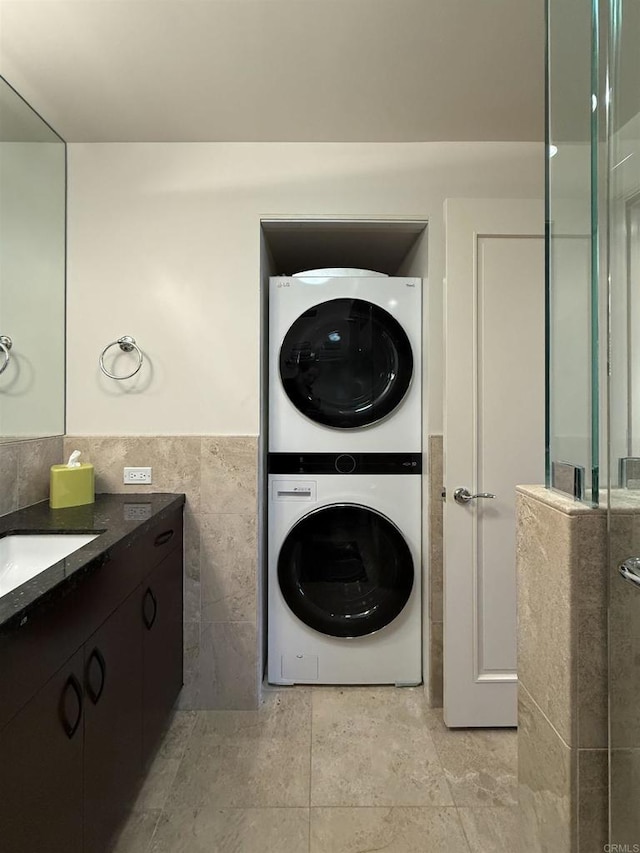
x=546 y=718
x=451 y=788
x=175 y=776
x=404 y=806
x=464 y=831
x=442 y=768
x=153 y=834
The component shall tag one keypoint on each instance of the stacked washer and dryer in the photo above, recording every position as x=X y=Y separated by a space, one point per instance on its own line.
x=344 y=465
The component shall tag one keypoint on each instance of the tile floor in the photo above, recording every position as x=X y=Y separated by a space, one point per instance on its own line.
x=327 y=770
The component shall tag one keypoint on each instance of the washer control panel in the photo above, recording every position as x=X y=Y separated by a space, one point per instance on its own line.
x=344 y=463
x=294 y=490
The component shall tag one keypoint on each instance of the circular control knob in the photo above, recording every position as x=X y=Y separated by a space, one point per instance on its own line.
x=345 y=464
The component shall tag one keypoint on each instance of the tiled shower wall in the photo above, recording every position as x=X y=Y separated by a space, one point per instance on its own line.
x=218 y=474
x=24 y=471
x=624 y=627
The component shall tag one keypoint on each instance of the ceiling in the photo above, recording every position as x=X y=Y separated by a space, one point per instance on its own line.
x=279 y=70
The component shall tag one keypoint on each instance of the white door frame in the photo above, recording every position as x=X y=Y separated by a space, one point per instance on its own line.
x=473 y=696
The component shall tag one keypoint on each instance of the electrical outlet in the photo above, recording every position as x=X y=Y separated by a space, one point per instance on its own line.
x=137 y=512
x=133 y=476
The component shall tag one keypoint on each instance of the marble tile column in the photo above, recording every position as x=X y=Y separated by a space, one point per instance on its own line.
x=218 y=474
x=562 y=670
x=625 y=674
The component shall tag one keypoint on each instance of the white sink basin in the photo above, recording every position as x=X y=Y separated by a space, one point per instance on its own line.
x=23 y=556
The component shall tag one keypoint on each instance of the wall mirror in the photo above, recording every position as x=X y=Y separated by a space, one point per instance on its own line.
x=32 y=272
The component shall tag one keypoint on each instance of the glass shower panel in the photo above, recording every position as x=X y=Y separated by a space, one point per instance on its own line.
x=572 y=305
x=624 y=247
x=624 y=418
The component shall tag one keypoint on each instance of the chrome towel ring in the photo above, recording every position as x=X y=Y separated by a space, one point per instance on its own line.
x=5 y=348
x=126 y=344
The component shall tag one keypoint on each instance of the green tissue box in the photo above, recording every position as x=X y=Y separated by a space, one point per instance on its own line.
x=71 y=486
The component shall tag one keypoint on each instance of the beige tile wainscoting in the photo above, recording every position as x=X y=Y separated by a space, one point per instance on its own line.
x=218 y=474
x=24 y=471
x=562 y=670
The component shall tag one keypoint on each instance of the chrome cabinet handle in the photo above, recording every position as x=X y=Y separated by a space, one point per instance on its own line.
x=630 y=570
x=463 y=496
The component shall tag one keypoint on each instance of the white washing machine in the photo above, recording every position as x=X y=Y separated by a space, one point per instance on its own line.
x=344 y=569
x=345 y=357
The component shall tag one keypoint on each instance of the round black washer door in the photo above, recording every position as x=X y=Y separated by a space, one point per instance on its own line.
x=346 y=363
x=345 y=570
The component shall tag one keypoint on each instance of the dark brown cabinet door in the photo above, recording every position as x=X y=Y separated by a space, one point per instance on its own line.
x=41 y=768
x=113 y=723
x=161 y=611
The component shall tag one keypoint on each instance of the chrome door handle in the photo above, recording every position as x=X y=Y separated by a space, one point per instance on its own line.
x=630 y=570
x=463 y=496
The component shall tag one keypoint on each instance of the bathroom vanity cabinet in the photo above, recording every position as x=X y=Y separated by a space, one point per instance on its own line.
x=88 y=684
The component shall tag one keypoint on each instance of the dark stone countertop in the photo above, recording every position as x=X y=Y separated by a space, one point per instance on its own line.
x=119 y=519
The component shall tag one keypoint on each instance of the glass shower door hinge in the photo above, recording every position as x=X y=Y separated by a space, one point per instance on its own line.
x=568 y=478
x=629 y=472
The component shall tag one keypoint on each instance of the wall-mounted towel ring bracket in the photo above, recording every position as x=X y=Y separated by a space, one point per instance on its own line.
x=126 y=344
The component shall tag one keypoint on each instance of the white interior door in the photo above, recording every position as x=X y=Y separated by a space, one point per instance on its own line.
x=493 y=440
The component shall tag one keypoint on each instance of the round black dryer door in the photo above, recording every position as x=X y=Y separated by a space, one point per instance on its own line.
x=346 y=363
x=345 y=570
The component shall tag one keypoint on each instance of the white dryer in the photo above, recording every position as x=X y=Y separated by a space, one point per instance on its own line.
x=345 y=359
x=344 y=569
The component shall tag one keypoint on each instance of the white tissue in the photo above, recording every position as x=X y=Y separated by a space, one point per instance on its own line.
x=73 y=459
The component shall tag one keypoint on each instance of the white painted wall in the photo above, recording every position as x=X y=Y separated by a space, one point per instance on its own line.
x=164 y=245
